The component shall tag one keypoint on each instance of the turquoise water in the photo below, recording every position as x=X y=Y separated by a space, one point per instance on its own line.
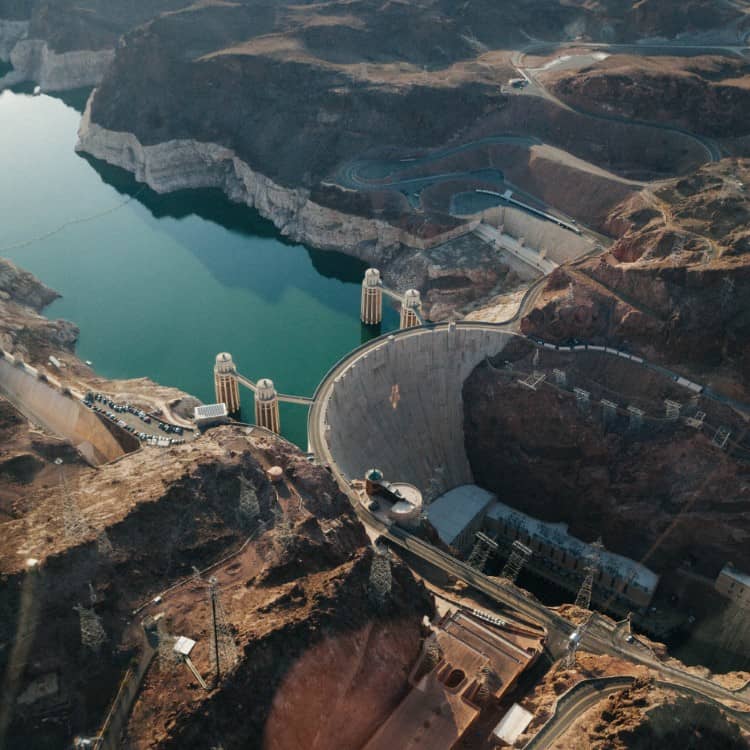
x=162 y=283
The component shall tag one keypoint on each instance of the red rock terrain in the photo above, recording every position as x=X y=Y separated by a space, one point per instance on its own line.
x=673 y=286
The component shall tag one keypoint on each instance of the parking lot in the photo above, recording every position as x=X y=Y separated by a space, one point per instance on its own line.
x=147 y=427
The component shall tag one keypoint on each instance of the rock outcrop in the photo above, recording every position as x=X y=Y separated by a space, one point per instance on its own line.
x=22 y=329
x=33 y=60
x=673 y=286
x=178 y=164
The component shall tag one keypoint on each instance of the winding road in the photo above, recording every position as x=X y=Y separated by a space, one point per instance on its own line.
x=709 y=145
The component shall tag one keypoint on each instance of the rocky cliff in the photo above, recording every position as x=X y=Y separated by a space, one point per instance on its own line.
x=146 y=523
x=22 y=328
x=673 y=286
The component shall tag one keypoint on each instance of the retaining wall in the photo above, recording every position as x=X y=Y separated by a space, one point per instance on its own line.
x=45 y=404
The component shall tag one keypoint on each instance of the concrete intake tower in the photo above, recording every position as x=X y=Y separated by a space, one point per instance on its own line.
x=371 y=311
x=267 y=406
x=226 y=386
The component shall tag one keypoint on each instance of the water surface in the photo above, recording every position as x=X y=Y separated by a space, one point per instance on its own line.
x=158 y=284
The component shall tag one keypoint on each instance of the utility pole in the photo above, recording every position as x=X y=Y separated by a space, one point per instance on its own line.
x=223 y=652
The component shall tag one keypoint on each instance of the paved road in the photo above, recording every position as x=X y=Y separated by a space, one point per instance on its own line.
x=710 y=146
x=583 y=696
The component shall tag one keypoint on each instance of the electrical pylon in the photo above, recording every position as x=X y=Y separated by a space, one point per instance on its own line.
x=223 y=649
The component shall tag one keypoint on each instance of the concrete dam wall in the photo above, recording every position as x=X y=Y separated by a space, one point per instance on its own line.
x=397 y=405
x=62 y=415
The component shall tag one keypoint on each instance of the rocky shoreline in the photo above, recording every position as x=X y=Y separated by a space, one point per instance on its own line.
x=182 y=164
x=34 y=61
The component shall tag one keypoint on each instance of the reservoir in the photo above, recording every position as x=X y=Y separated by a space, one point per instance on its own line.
x=159 y=284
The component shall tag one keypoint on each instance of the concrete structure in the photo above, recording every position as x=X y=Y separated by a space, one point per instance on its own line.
x=421 y=441
x=43 y=401
x=267 y=406
x=226 y=386
x=560 y=244
x=458 y=515
x=399 y=502
x=210 y=415
x=407 y=510
x=451 y=678
x=734 y=584
x=513 y=724
x=371 y=309
x=410 y=306
x=563 y=558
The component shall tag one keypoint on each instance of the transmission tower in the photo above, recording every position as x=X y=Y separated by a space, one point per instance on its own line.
x=671 y=410
x=519 y=555
x=636 y=417
x=223 y=649
x=248 y=507
x=381 y=578
x=583 y=400
x=721 y=437
x=583 y=598
x=92 y=630
x=609 y=410
x=535 y=359
x=73 y=523
x=533 y=381
x=560 y=376
x=103 y=545
x=168 y=659
x=283 y=531
x=483 y=548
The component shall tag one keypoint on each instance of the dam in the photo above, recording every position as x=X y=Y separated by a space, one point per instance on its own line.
x=397 y=403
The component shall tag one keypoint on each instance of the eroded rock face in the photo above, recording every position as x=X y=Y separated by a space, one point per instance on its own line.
x=302 y=580
x=23 y=288
x=22 y=329
x=703 y=95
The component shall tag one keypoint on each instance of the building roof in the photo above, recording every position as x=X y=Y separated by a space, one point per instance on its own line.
x=452 y=512
x=210 y=411
x=513 y=724
x=737 y=575
x=556 y=534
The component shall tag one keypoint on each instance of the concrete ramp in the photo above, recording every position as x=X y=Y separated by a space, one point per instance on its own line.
x=61 y=414
x=397 y=405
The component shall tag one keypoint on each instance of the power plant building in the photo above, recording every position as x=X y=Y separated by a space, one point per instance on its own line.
x=459 y=513
x=562 y=557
